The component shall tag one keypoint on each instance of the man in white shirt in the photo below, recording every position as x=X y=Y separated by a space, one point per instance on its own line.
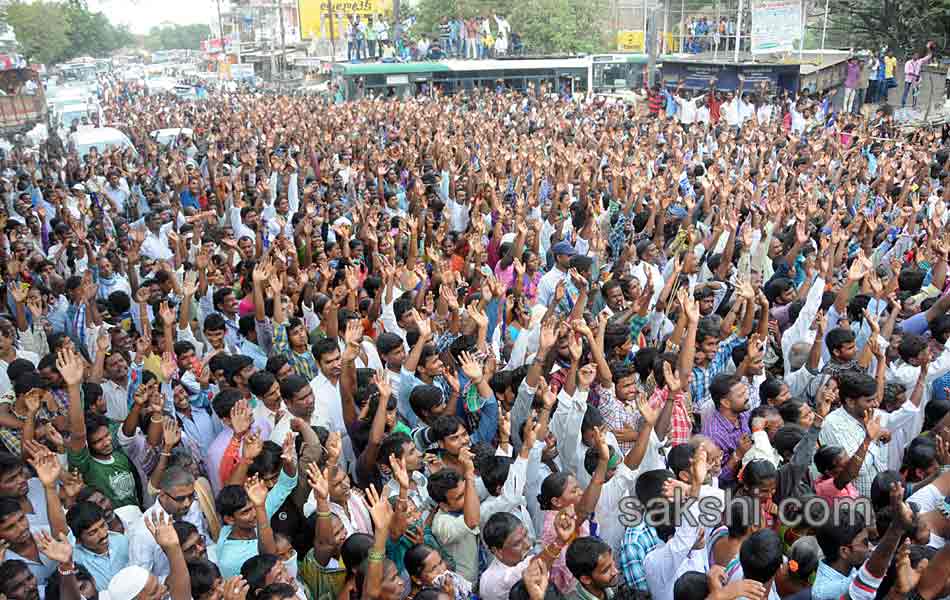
x=687 y=105
x=562 y=251
x=177 y=500
x=730 y=110
x=665 y=563
x=155 y=245
x=117 y=190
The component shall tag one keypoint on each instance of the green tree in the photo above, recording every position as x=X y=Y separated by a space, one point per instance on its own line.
x=91 y=33
x=41 y=29
x=176 y=37
x=545 y=26
x=904 y=25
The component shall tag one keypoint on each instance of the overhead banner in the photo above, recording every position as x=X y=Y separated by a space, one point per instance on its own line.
x=315 y=15
x=776 y=26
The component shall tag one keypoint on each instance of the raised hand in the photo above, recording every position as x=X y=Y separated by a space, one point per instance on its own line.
x=253 y=444
x=600 y=442
x=169 y=365
x=241 y=417
x=288 y=453
x=649 y=414
x=872 y=424
x=57 y=549
x=160 y=526
x=235 y=588
x=471 y=367
x=699 y=465
x=399 y=470
x=318 y=482
x=256 y=490
x=103 y=343
x=548 y=335
x=381 y=381
x=47 y=467
x=190 y=285
x=70 y=366
x=171 y=433
x=166 y=314
x=333 y=448
x=18 y=292
x=467 y=460
x=673 y=383
x=380 y=509
x=586 y=376
x=33 y=400
x=565 y=525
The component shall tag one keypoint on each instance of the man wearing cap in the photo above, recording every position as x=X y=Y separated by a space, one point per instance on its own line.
x=562 y=251
x=176 y=501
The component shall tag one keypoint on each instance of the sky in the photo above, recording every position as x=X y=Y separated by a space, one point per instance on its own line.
x=142 y=15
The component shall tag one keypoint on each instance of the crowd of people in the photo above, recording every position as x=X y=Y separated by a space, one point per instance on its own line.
x=493 y=345
x=706 y=34
x=479 y=37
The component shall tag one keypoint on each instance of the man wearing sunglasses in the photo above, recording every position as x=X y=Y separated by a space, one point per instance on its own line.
x=176 y=498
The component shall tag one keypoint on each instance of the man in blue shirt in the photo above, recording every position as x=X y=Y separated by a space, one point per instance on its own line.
x=845 y=546
x=104 y=553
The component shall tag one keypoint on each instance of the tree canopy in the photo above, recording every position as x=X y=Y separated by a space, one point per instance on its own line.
x=177 y=37
x=904 y=25
x=545 y=26
x=50 y=32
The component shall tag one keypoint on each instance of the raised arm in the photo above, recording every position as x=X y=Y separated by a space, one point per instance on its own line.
x=178 y=580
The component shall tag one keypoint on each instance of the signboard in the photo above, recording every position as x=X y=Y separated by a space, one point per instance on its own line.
x=315 y=20
x=776 y=25
x=397 y=80
x=630 y=41
x=242 y=72
x=697 y=75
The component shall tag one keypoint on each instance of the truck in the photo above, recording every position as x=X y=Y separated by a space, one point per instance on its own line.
x=22 y=103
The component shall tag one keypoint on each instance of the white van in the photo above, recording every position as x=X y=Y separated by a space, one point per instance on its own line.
x=165 y=137
x=101 y=138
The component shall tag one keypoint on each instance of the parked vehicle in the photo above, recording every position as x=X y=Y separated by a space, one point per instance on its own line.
x=22 y=103
x=167 y=136
x=100 y=138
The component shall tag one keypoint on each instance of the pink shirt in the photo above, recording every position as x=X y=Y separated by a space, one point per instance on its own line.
x=912 y=67
x=825 y=488
x=560 y=575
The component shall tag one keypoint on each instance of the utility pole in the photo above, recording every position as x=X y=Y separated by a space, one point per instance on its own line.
x=397 y=29
x=651 y=43
x=283 y=44
x=332 y=35
x=221 y=28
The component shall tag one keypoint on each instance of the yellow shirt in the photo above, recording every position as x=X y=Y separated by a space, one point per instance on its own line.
x=890 y=63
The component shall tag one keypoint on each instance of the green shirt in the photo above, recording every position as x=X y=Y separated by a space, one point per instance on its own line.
x=113 y=477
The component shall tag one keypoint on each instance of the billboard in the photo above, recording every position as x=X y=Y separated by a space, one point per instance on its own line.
x=776 y=26
x=315 y=21
x=630 y=41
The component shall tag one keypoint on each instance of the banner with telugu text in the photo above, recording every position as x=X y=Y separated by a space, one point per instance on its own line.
x=630 y=41
x=776 y=25
x=315 y=21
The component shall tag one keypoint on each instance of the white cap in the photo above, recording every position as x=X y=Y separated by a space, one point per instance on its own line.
x=127 y=583
x=508 y=238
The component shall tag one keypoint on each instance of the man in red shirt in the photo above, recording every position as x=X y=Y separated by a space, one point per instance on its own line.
x=713 y=102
